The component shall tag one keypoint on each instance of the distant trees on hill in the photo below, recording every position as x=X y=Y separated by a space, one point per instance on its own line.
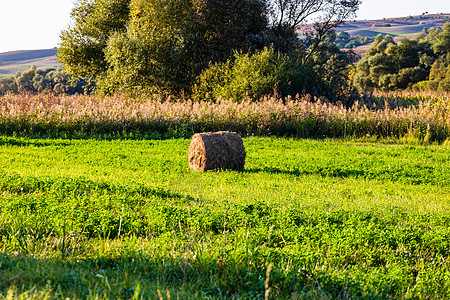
x=421 y=63
x=346 y=41
x=35 y=81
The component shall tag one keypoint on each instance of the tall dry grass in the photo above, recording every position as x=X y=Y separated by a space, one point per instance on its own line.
x=424 y=117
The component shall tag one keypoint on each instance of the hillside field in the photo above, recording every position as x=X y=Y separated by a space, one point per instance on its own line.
x=398 y=28
x=411 y=25
x=306 y=219
x=20 y=61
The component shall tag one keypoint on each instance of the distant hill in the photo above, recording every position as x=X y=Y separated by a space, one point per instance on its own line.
x=20 y=61
x=398 y=28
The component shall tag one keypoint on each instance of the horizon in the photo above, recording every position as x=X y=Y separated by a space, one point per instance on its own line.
x=24 y=33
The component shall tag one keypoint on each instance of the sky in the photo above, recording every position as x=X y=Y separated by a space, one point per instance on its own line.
x=37 y=24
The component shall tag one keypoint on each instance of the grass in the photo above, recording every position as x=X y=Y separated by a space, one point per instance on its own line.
x=306 y=219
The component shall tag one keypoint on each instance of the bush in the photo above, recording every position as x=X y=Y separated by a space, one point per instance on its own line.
x=265 y=72
x=421 y=86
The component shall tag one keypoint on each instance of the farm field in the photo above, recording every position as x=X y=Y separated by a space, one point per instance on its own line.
x=319 y=219
x=399 y=28
x=20 y=61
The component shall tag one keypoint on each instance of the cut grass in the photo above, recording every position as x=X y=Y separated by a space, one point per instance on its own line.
x=123 y=219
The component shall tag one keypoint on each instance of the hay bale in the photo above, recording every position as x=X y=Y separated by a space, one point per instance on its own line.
x=216 y=150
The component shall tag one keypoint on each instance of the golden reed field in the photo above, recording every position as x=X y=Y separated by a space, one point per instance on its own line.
x=423 y=116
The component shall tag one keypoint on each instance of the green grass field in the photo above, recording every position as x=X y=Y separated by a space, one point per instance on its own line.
x=306 y=219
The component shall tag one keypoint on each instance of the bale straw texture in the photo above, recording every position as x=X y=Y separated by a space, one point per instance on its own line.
x=216 y=150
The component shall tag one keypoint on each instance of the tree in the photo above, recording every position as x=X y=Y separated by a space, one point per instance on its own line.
x=81 y=50
x=438 y=40
x=161 y=46
x=441 y=43
x=390 y=66
x=157 y=45
x=36 y=80
x=327 y=13
x=332 y=67
x=290 y=16
x=253 y=76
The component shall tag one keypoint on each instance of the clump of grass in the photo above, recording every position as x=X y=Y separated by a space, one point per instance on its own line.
x=380 y=115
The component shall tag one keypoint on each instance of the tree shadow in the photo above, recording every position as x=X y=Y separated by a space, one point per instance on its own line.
x=324 y=172
x=125 y=276
x=8 y=141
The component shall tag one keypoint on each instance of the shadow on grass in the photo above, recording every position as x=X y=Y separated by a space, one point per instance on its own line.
x=23 y=142
x=297 y=173
x=138 y=275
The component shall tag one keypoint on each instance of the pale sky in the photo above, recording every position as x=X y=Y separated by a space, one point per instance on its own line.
x=36 y=24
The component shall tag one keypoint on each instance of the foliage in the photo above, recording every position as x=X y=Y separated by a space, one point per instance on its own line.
x=332 y=67
x=441 y=44
x=254 y=76
x=420 y=63
x=82 y=45
x=425 y=116
x=390 y=66
x=127 y=218
x=439 y=79
x=36 y=81
x=269 y=72
x=161 y=47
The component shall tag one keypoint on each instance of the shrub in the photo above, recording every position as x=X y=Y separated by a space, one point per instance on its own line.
x=421 y=86
x=265 y=72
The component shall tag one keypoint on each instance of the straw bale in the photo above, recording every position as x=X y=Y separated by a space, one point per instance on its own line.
x=216 y=150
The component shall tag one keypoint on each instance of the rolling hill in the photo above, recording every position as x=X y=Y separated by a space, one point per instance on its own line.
x=20 y=61
x=398 y=28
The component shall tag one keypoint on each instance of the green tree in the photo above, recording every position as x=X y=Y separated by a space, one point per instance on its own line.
x=24 y=81
x=35 y=81
x=438 y=40
x=169 y=42
x=332 y=67
x=441 y=42
x=8 y=85
x=390 y=66
x=161 y=46
x=81 y=50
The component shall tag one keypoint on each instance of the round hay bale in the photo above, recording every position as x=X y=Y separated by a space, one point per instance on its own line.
x=216 y=150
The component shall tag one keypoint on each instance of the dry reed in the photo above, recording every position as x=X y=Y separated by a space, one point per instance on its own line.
x=386 y=115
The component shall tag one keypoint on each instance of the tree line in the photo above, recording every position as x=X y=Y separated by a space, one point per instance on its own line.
x=187 y=47
x=206 y=49
x=36 y=81
x=422 y=63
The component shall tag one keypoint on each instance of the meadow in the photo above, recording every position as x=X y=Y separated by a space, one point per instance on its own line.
x=120 y=215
